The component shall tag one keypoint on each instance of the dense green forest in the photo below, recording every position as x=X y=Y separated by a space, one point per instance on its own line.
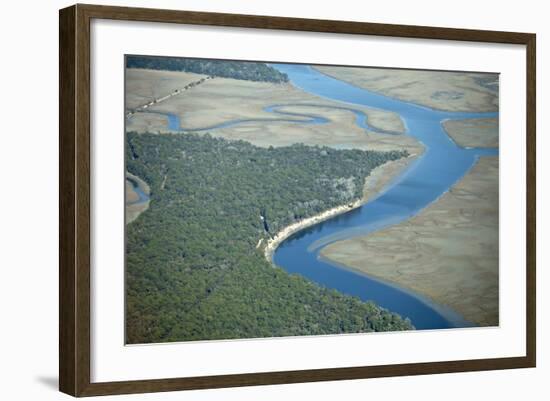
x=193 y=271
x=246 y=70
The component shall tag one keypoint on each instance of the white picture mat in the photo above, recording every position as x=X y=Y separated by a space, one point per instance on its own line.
x=112 y=361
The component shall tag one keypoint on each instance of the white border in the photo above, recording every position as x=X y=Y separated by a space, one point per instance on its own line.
x=112 y=361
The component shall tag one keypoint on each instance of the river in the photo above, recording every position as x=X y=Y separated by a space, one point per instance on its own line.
x=426 y=179
x=431 y=175
x=142 y=196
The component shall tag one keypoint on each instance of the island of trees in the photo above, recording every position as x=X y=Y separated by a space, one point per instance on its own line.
x=244 y=70
x=193 y=271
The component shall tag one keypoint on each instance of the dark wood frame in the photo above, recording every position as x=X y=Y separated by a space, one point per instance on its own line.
x=74 y=199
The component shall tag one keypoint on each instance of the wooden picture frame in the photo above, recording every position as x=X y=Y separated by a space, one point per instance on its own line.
x=74 y=200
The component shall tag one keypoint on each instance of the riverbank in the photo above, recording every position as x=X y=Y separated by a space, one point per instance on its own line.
x=286 y=232
x=448 y=252
x=134 y=207
x=220 y=100
x=473 y=133
x=439 y=90
x=374 y=183
x=383 y=175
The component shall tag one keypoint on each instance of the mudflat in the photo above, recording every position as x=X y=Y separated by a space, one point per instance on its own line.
x=442 y=90
x=448 y=252
x=220 y=100
x=474 y=133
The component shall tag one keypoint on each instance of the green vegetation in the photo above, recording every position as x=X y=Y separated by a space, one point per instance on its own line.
x=193 y=271
x=245 y=70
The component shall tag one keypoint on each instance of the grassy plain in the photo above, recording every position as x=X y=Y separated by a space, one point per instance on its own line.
x=451 y=91
x=475 y=133
x=448 y=252
x=143 y=86
x=221 y=99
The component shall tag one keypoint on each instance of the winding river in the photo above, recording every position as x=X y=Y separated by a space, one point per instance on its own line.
x=361 y=119
x=426 y=179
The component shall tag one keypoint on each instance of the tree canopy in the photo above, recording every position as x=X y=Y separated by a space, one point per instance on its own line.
x=244 y=70
x=193 y=271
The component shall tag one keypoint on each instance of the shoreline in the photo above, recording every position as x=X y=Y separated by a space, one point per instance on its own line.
x=219 y=101
x=141 y=183
x=468 y=133
x=446 y=311
x=371 y=184
x=134 y=209
x=277 y=239
x=404 y=279
x=383 y=92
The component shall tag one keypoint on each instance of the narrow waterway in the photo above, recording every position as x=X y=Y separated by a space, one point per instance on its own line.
x=142 y=196
x=431 y=175
x=174 y=122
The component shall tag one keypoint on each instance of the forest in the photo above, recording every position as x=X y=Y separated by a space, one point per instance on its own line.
x=244 y=70
x=193 y=271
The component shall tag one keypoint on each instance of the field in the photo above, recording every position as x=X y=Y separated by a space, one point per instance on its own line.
x=222 y=99
x=478 y=133
x=230 y=160
x=449 y=252
x=440 y=90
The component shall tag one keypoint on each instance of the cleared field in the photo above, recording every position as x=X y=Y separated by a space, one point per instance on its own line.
x=475 y=133
x=143 y=86
x=220 y=100
x=451 y=91
x=449 y=252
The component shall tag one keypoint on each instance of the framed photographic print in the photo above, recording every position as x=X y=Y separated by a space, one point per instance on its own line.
x=251 y=200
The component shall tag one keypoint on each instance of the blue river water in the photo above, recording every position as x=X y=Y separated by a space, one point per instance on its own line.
x=361 y=119
x=142 y=196
x=431 y=175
